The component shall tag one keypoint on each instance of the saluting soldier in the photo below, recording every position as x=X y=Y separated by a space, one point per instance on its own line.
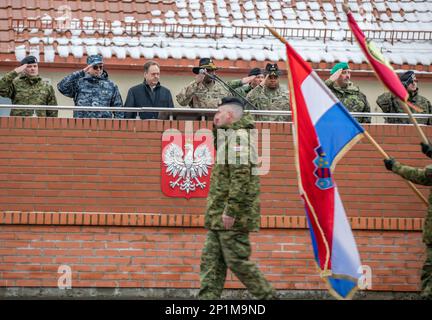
x=270 y=95
x=347 y=93
x=245 y=85
x=92 y=87
x=390 y=104
x=24 y=86
x=204 y=92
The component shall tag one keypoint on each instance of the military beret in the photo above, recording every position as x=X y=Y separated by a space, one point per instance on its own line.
x=29 y=60
x=94 y=59
x=340 y=65
x=255 y=72
x=231 y=100
x=407 y=78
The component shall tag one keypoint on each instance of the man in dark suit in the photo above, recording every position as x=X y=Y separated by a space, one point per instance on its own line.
x=149 y=94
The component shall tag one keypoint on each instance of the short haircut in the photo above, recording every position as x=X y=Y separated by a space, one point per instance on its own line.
x=235 y=109
x=150 y=63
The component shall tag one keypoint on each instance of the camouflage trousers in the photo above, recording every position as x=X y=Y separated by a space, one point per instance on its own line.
x=426 y=275
x=230 y=249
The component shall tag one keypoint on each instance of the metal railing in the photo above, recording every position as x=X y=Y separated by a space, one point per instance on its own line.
x=198 y=111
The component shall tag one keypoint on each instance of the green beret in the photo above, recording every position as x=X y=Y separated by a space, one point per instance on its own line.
x=340 y=65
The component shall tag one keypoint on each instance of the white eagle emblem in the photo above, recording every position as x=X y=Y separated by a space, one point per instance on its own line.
x=194 y=165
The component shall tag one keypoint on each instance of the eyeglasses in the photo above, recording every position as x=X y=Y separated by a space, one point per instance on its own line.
x=98 y=67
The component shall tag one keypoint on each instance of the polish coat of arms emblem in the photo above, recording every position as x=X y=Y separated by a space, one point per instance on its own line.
x=186 y=168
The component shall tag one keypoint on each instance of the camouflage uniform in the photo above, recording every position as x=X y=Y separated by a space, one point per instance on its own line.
x=27 y=90
x=422 y=177
x=390 y=104
x=267 y=99
x=352 y=98
x=87 y=90
x=241 y=89
x=234 y=190
x=200 y=95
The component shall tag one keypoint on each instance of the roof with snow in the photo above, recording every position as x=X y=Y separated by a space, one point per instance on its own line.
x=131 y=31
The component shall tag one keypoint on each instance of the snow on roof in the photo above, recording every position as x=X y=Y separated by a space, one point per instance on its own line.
x=230 y=29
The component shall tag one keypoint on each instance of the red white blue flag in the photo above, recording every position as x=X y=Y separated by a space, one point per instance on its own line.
x=323 y=131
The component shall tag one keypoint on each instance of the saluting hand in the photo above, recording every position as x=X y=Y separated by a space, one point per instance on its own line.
x=336 y=75
x=20 y=69
x=228 y=221
x=247 y=80
x=199 y=78
x=264 y=80
x=86 y=69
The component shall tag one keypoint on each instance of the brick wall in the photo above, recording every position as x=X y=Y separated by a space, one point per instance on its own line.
x=86 y=193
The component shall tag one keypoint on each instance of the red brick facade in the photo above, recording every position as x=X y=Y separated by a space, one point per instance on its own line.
x=86 y=193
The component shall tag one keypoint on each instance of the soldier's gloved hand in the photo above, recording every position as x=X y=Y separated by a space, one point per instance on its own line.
x=389 y=163
x=21 y=68
x=426 y=149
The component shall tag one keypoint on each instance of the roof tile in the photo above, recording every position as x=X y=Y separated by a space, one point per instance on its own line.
x=121 y=38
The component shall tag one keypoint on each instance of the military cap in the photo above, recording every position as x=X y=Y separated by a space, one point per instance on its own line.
x=340 y=65
x=272 y=69
x=94 y=59
x=255 y=72
x=231 y=100
x=407 y=78
x=205 y=63
x=29 y=60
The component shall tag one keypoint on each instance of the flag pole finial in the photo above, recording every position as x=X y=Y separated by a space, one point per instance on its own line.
x=345 y=7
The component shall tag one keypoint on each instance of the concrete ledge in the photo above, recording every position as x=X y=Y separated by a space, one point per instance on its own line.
x=180 y=294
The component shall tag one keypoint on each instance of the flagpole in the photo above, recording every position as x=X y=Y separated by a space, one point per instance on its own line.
x=423 y=137
x=414 y=121
x=385 y=155
x=372 y=140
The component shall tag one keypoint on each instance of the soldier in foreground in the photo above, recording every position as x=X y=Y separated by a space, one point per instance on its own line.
x=422 y=177
x=347 y=93
x=91 y=87
x=390 y=104
x=24 y=86
x=270 y=95
x=233 y=209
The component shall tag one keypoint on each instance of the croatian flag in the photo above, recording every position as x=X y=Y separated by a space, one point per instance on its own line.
x=323 y=131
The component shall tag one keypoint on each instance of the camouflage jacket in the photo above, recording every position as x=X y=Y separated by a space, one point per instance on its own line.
x=23 y=89
x=200 y=95
x=352 y=98
x=424 y=178
x=266 y=99
x=240 y=88
x=390 y=104
x=234 y=186
x=87 y=90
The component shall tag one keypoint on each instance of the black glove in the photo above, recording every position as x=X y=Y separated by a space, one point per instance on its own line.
x=426 y=149
x=389 y=163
